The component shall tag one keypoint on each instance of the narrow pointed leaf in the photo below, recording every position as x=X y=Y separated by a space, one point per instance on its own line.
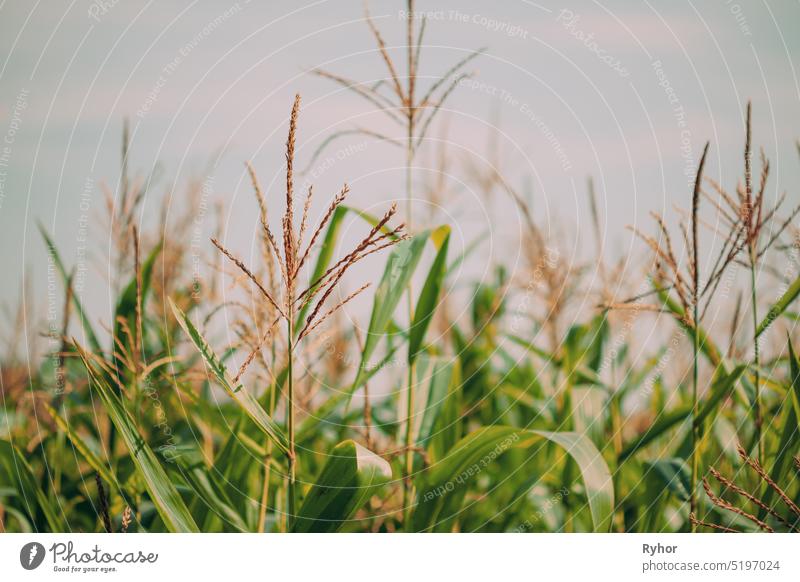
x=790 y=431
x=327 y=247
x=243 y=398
x=672 y=475
x=165 y=497
x=780 y=306
x=723 y=386
x=206 y=485
x=84 y=449
x=400 y=267
x=126 y=307
x=76 y=302
x=21 y=475
x=434 y=395
x=707 y=347
x=429 y=296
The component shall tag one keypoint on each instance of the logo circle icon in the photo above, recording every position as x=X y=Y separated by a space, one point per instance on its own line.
x=31 y=555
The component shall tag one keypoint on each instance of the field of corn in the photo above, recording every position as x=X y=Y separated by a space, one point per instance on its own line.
x=249 y=401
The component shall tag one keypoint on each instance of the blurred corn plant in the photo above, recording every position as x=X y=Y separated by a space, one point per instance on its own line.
x=170 y=452
x=283 y=417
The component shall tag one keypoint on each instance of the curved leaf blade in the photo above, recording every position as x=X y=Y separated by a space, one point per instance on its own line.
x=243 y=398
x=83 y=448
x=347 y=481
x=400 y=266
x=206 y=485
x=790 y=433
x=76 y=303
x=441 y=491
x=165 y=497
x=780 y=306
x=721 y=387
x=16 y=467
x=672 y=474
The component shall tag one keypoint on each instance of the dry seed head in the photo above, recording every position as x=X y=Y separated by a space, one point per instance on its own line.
x=310 y=327
x=401 y=104
x=695 y=214
x=127 y=518
x=694 y=520
x=247 y=272
x=338 y=199
x=304 y=220
x=719 y=502
x=289 y=238
x=290 y=145
x=756 y=466
x=748 y=180
x=103 y=501
x=398 y=88
x=292 y=261
x=267 y=240
x=738 y=490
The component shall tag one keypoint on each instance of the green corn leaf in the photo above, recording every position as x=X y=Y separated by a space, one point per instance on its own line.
x=313 y=422
x=400 y=267
x=241 y=396
x=442 y=373
x=84 y=449
x=580 y=373
x=672 y=474
x=324 y=256
x=471 y=248
x=790 y=431
x=21 y=476
x=76 y=303
x=665 y=422
x=168 y=502
x=446 y=430
x=126 y=307
x=441 y=489
x=589 y=412
x=721 y=387
x=635 y=378
x=434 y=376
x=349 y=478
x=429 y=296
x=206 y=485
x=24 y=524
x=328 y=245
x=707 y=347
x=780 y=306
x=371 y=220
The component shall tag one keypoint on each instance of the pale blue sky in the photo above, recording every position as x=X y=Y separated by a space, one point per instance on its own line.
x=71 y=71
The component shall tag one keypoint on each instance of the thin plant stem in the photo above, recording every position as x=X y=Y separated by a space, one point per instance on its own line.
x=408 y=488
x=409 y=451
x=262 y=515
x=696 y=344
x=695 y=425
x=753 y=219
x=411 y=392
x=292 y=484
x=756 y=361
